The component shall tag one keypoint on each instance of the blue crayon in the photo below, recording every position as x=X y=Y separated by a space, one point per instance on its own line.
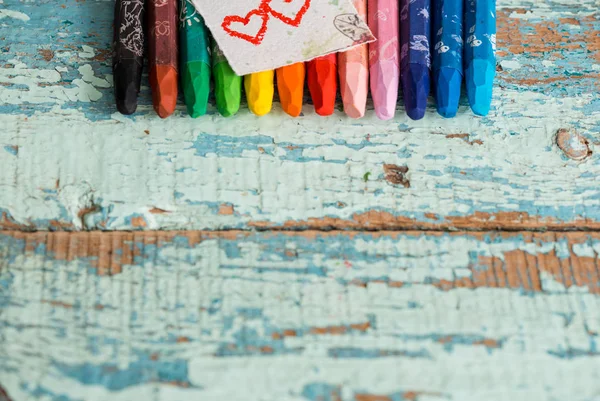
x=415 y=58
x=447 y=54
x=480 y=53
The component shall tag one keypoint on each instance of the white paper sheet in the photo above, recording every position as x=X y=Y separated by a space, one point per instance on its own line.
x=259 y=35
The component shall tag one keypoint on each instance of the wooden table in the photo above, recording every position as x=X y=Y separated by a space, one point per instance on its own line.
x=320 y=259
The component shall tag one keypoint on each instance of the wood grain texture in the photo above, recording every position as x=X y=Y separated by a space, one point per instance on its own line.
x=311 y=316
x=255 y=312
x=70 y=163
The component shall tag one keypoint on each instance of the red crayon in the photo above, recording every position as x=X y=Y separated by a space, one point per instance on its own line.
x=162 y=50
x=322 y=83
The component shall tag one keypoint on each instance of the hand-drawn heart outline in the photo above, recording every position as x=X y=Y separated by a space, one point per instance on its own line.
x=287 y=20
x=262 y=11
x=256 y=39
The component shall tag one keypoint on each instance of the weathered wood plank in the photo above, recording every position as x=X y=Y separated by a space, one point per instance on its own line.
x=69 y=163
x=299 y=316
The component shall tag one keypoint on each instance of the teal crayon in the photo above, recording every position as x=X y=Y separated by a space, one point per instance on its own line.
x=480 y=53
x=195 y=65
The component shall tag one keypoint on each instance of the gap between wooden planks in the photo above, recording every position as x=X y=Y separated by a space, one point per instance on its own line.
x=370 y=221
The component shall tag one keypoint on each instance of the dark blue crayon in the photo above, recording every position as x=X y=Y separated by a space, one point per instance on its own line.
x=447 y=54
x=415 y=58
x=480 y=53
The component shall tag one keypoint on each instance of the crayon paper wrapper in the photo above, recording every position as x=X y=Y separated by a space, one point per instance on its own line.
x=414 y=32
x=448 y=46
x=259 y=35
x=193 y=36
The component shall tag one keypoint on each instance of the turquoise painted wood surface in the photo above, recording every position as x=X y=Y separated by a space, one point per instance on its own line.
x=300 y=316
x=257 y=313
x=70 y=163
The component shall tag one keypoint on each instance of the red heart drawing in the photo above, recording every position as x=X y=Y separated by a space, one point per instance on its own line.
x=255 y=39
x=295 y=21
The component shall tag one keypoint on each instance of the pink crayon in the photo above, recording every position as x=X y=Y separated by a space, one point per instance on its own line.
x=353 y=68
x=384 y=56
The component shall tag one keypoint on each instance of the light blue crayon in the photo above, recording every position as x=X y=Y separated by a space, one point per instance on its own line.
x=415 y=56
x=447 y=54
x=480 y=53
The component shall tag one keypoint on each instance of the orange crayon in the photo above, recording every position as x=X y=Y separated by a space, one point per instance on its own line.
x=290 y=84
x=322 y=83
x=163 y=81
x=162 y=49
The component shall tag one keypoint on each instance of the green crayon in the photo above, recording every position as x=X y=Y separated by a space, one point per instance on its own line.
x=195 y=59
x=228 y=85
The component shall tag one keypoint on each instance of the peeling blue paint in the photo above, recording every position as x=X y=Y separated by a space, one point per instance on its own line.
x=574 y=353
x=321 y=392
x=12 y=149
x=248 y=342
x=128 y=221
x=350 y=352
x=228 y=146
x=358 y=146
x=42 y=392
x=435 y=157
x=145 y=369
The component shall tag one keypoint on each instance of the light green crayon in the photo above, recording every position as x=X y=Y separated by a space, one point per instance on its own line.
x=228 y=85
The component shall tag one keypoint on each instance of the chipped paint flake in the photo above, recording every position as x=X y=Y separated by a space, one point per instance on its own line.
x=510 y=64
x=5 y=13
x=88 y=52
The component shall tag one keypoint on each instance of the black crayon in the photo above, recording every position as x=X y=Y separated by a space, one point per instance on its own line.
x=128 y=53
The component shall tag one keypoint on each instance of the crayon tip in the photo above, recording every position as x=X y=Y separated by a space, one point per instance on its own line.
x=292 y=109
x=415 y=85
x=479 y=78
x=196 y=87
x=229 y=104
x=290 y=83
x=323 y=107
x=384 y=88
x=448 y=84
x=163 y=80
x=322 y=83
x=228 y=89
x=127 y=86
x=260 y=91
x=354 y=94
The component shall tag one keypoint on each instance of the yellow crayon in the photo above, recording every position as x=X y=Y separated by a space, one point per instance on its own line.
x=259 y=91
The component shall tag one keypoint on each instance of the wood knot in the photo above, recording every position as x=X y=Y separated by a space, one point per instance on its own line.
x=396 y=175
x=573 y=144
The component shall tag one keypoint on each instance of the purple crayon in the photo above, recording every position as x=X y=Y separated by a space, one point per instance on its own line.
x=384 y=56
x=415 y=57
